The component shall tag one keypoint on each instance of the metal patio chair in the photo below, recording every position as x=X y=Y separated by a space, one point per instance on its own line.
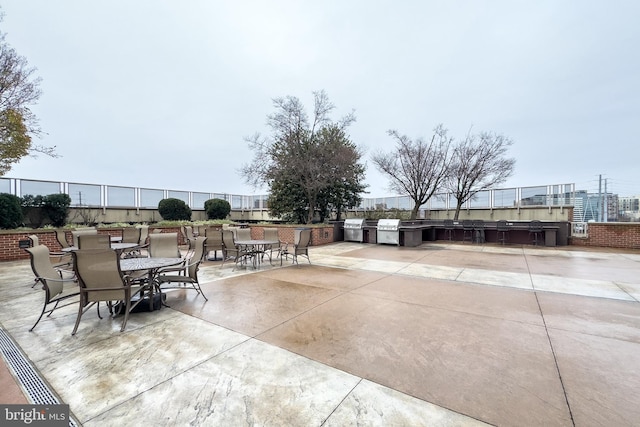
x=502 y=231
x=478 y=231
x=101 y=280
x=449 y=229
x=213 y=243
x=300 y=248
x=80 y=232
x=536 y=232
x=272 y=234
x=192 y=265
x=94 y=241
x=232 y=251
x=467 y=230
x=57 y=288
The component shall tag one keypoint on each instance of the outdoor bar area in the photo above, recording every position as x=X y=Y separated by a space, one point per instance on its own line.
x=413 y=233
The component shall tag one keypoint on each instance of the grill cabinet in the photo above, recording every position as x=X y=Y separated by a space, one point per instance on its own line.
x=389 y=231
x=353 y=230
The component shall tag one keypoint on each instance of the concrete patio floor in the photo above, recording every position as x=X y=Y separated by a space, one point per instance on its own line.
x=437 y=335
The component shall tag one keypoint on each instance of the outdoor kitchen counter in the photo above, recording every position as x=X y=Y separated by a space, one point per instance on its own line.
x=370 y=233
x=411 y=235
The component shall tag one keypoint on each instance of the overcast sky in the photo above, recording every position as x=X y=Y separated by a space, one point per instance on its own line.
x=161 y=94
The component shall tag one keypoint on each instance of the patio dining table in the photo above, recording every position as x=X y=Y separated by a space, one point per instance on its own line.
x=257 y=248
x=116 y=246
x=152 y=266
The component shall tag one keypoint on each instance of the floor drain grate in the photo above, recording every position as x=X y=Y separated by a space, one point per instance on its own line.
x=38 y=391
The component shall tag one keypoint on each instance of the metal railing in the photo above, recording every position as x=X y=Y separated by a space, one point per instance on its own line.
x=103 y=196
x=545 y=196
x=580 y=229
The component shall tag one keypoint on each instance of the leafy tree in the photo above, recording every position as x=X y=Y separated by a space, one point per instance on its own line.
x=217 y=208
x=32 y=210
x=304 y=159
x=478 y=163
x=345 y=176
x=56 y=206
x=10 y=211
x=287 y=200
x=339 y=197
x=416 y=168
x=172 y=209
x=19 y=89
x=14 y=140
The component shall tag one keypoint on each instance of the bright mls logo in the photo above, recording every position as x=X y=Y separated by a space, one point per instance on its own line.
x=34 y=415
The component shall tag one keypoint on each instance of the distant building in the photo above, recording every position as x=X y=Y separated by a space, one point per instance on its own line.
x=629 y=208
x=596 y=207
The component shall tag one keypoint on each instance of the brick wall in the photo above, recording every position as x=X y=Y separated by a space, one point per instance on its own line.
x=286 y=233
x=624 y=235
x=11 y=251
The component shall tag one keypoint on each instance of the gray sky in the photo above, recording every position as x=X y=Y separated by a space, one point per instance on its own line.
x=162 y=93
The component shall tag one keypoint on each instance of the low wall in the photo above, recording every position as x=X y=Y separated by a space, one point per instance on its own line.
x=523 y=213
x=150 y=215
x=624 y=235
x=10 y=248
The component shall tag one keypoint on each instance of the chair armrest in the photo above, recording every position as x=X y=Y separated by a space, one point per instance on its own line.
x=178 y=267
x=63 y=279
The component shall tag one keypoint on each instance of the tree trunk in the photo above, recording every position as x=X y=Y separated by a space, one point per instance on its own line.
x=311 y=213
x=458 y=207
x=312 y=208
x=414 y=211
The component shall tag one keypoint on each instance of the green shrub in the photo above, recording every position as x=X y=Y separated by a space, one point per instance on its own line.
x=174 y=210
x=10 y=211
x=217 y=208
x=32 y=211
x=56 y=206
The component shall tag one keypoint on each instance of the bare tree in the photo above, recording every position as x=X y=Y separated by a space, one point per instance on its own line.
x=302 y=158
x=478 y=163
x=416 y=168
x=19 y=89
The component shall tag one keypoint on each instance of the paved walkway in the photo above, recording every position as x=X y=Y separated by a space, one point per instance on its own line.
x=438 y=335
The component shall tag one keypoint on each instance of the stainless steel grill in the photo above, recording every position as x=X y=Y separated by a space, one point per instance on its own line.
x=353 y=230
x=389 y=231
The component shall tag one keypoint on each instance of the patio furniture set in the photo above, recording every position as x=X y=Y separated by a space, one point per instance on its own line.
x=134 y=272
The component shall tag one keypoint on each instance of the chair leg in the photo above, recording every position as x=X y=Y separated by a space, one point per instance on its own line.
x=80 y=312
x=54 y=307
x=44 y=307
x=126 y=311
x=501 y=236
x=197 y=287
x=535 y=237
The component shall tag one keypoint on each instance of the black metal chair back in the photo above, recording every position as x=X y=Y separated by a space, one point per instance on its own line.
x=536 y=231
x=502 y=231
x=449 y=229
x=478 y=230
x=467 y=230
